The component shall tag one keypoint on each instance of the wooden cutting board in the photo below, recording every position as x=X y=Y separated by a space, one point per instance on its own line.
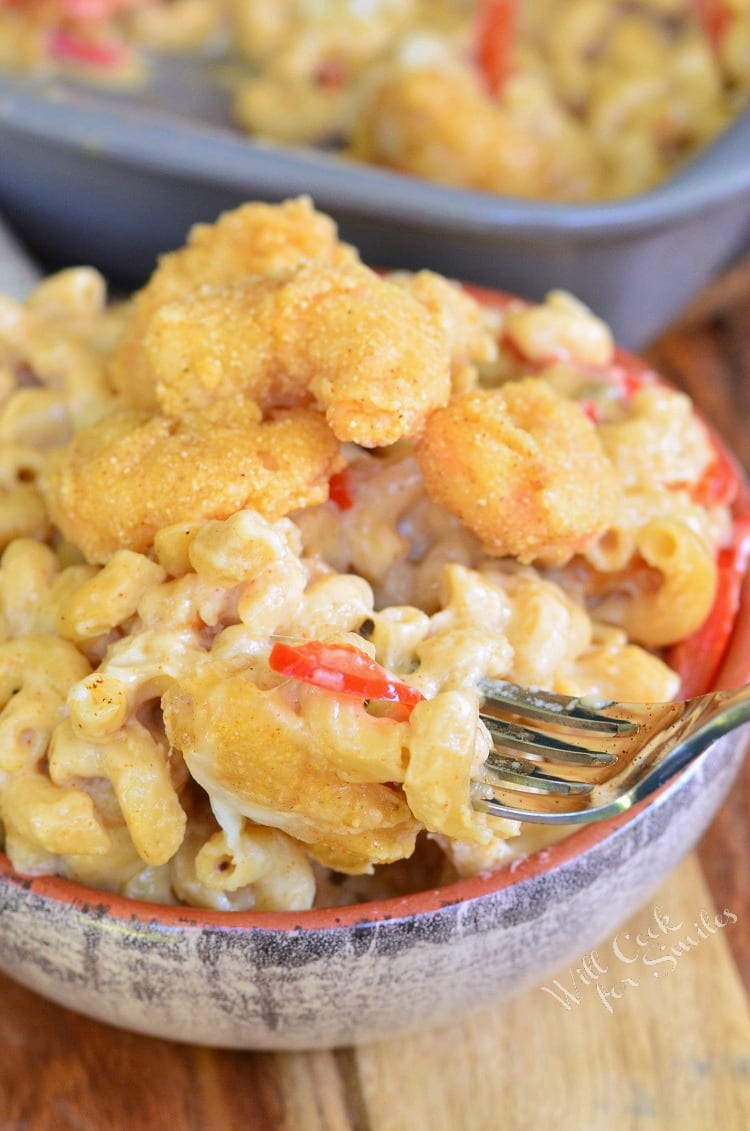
x=672 y=1051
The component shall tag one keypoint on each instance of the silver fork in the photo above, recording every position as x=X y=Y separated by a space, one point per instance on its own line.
x=557 y=759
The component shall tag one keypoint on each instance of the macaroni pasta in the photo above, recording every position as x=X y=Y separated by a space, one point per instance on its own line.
x=235 y=660
x=581 y=100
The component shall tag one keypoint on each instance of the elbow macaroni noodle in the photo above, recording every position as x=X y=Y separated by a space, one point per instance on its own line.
x=146 y=744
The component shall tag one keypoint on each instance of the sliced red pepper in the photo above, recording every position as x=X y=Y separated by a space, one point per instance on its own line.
x=592 y=410
x=331 y=74
x=735 y=663
x=92 y=11
x=631 y=373
x=698 y=658
x=496 y=33
x=339 y=490
x=101 y=53
x=344 y=669
x=718 y=486
x=715 y=17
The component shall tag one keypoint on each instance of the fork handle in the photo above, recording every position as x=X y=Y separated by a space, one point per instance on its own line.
x=709 y=718
x=705 y=719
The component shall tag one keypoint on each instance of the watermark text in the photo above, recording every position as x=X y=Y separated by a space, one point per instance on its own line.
x=631 y=957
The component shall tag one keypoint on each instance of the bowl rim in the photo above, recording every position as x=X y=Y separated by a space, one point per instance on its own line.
x=430 y=901
x=353 y=915
x=733 y=670
x=129 y=131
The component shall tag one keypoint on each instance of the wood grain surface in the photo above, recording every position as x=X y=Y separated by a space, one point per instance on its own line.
x=665 y=1047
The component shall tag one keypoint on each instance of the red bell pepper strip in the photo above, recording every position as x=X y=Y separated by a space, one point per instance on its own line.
x=93 y=11
x=344 y=669
x=495 y=39
x=698 y=658
x=92 y=53
x=735 y=663
x=592 y=410
x=715 y=17
x=719 y=485
x=339 y=490
x=331 y=74
x=631 y=373
x=625 y=375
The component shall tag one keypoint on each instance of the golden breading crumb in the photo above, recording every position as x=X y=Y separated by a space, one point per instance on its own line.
x=128 y=476
x=254 y=239
x=371 y=355
x=281 y=660
x=523 y=468
x=459 y=317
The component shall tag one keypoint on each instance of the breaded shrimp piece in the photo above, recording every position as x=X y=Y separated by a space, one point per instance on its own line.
x=523 y=468
x=121 y=480
x=257 y=757
x=437 y=121
x=459 y=317
x=251 y=240
x=370 y=355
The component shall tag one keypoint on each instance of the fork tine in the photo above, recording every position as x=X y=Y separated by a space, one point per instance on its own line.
x=668 y=737
x=552 y=708
x=559 y=750
x=550 y=815
x=519 y=771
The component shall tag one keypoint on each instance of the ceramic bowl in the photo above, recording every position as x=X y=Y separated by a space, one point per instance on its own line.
x=340 y=976
x=345 y=975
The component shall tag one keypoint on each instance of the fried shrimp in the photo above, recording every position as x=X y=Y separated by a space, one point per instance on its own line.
x=252 y=240
x=367 y=352
x=257 y=757
x=123 y=479
x=523 y=468
x=459 y=317
x=437 y=121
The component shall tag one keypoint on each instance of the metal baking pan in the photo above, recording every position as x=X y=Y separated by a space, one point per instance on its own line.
x=90 y=176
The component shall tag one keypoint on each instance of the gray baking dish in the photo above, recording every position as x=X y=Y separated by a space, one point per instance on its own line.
x=88 y=176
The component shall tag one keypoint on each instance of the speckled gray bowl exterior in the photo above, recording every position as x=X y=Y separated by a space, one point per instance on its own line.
x=340 y=977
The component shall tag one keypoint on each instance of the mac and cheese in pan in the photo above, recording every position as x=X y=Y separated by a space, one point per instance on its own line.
x=557 y=99
x=267 y=525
